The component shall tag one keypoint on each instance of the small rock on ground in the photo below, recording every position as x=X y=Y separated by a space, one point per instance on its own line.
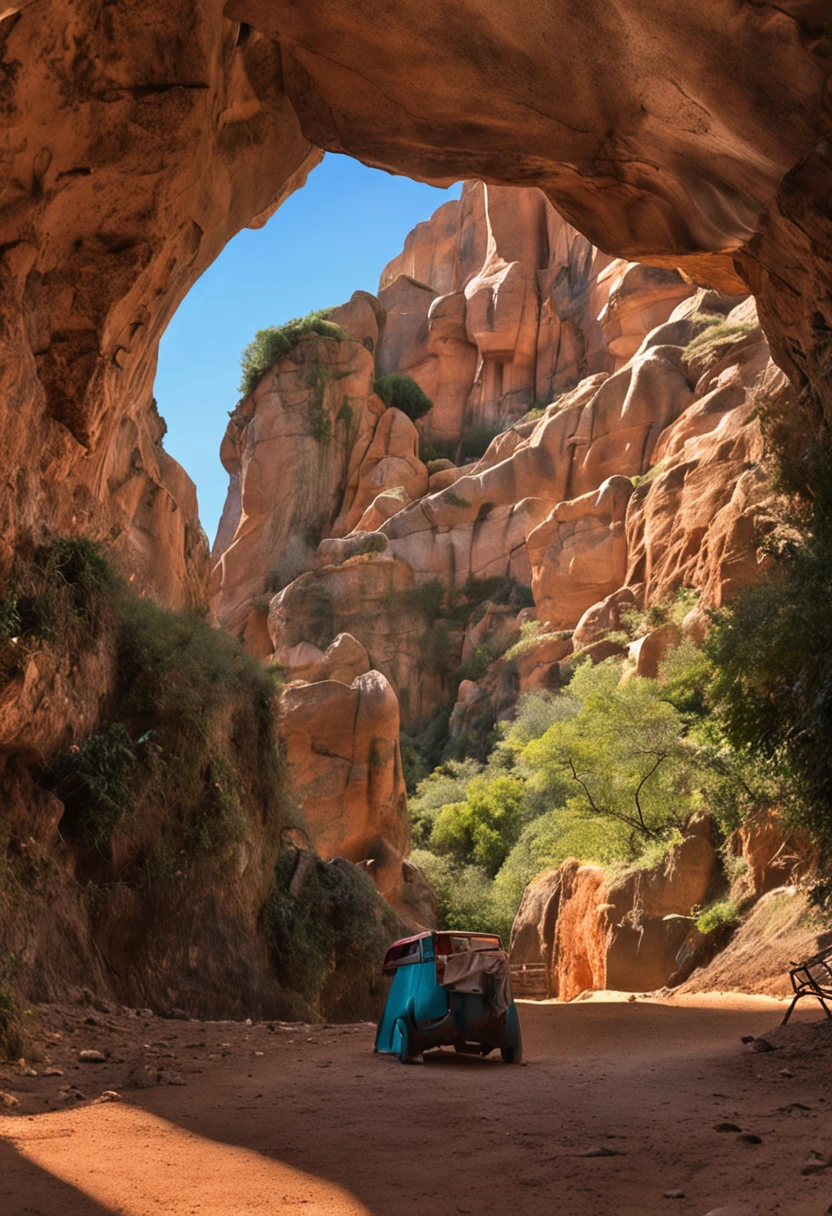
x=92 y=1056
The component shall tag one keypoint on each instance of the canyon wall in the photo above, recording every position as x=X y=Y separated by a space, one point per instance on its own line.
x=136 y=142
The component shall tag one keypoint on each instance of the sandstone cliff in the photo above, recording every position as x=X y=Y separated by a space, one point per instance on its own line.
x=138 y=141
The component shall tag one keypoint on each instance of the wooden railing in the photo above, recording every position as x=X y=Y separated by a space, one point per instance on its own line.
x=528 y=980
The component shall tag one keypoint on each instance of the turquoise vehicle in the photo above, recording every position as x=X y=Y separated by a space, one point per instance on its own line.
x=449 y=989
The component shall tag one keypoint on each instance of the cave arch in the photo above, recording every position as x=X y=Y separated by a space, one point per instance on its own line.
x=139 y=140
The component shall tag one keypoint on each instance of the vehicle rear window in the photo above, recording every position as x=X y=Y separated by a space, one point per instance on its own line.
x=458 y=943
x=402 y=953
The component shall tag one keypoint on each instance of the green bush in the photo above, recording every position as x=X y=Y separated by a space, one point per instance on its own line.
x=530 y=635
x=375 y=543
x=328 y=942
x=465 y=895
x=642 y=479
x=270 y=345
x=719 y=916
x=772 y=657
x=189 y=726
x=401 y=392
x=93 y=781
x=174 y=667
x=717 y=331
x=13 y=1043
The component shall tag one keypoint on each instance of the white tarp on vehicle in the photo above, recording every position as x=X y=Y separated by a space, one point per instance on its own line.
x=485 y=971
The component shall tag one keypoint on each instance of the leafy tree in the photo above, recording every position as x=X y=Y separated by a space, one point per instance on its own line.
x=625 y=753
x=484 y=827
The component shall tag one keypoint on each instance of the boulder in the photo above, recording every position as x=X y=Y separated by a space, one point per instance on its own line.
x=391 y=460
x=345 y=660
x=594 y=931
x=769 y=855
x=646 y=653
x=579 y=554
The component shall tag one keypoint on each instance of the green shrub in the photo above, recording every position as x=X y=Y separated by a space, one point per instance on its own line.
x=375 y=543
x=465 y=895
x=93 y=781
x=642 y=479
x=484 y=827
x=217 y=824
x=403 y=393
x=719 y=916
x=426 y=599
x=428 y=744
x=270 y=345
x=328 y=942
x=13 y=1043
x=478 y=664
x=529 y=636
x=772 y=658
x=717 y=331
x=174 y=667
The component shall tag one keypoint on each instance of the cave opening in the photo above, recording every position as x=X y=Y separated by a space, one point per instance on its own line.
x=327 y=240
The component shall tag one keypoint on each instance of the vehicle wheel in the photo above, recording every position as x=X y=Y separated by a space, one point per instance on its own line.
x=512 y=1055
x=401 y=1033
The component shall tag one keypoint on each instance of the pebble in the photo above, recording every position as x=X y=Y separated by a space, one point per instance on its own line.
x=749 y=1138
x=726 y=1127
x=784 y=1072
x=53 y=1072
x=142 y=1077
x=176 y=1015
x=109 y=1095
x=674 y=1194
x=815 y=1162
x=747 y=1038
x=92 y=1056
x=173 y=1078
x=8 y=1099
x=600 y=1151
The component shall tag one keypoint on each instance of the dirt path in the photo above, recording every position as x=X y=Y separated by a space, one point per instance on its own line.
x=307 y=1119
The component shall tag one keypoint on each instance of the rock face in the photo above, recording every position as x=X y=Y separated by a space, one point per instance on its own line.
x=342 y=752
x=140 y=139
x=492 y=305
x=640 y=478
x=592 y=932
x=289 y=449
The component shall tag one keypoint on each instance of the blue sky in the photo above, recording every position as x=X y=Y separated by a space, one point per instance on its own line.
x=327 y=240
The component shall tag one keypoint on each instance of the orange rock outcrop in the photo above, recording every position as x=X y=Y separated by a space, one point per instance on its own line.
x=592 y=930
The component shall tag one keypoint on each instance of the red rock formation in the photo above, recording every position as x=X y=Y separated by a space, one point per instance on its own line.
x=591 y=930
x=494 y=304
x=342 y=751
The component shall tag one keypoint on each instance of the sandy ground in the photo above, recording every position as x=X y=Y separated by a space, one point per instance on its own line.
x=296 y=1119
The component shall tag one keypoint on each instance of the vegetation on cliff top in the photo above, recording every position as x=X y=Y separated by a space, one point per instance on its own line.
x=275 y=342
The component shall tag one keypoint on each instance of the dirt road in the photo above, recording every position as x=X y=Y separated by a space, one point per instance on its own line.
x=617 y=1104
